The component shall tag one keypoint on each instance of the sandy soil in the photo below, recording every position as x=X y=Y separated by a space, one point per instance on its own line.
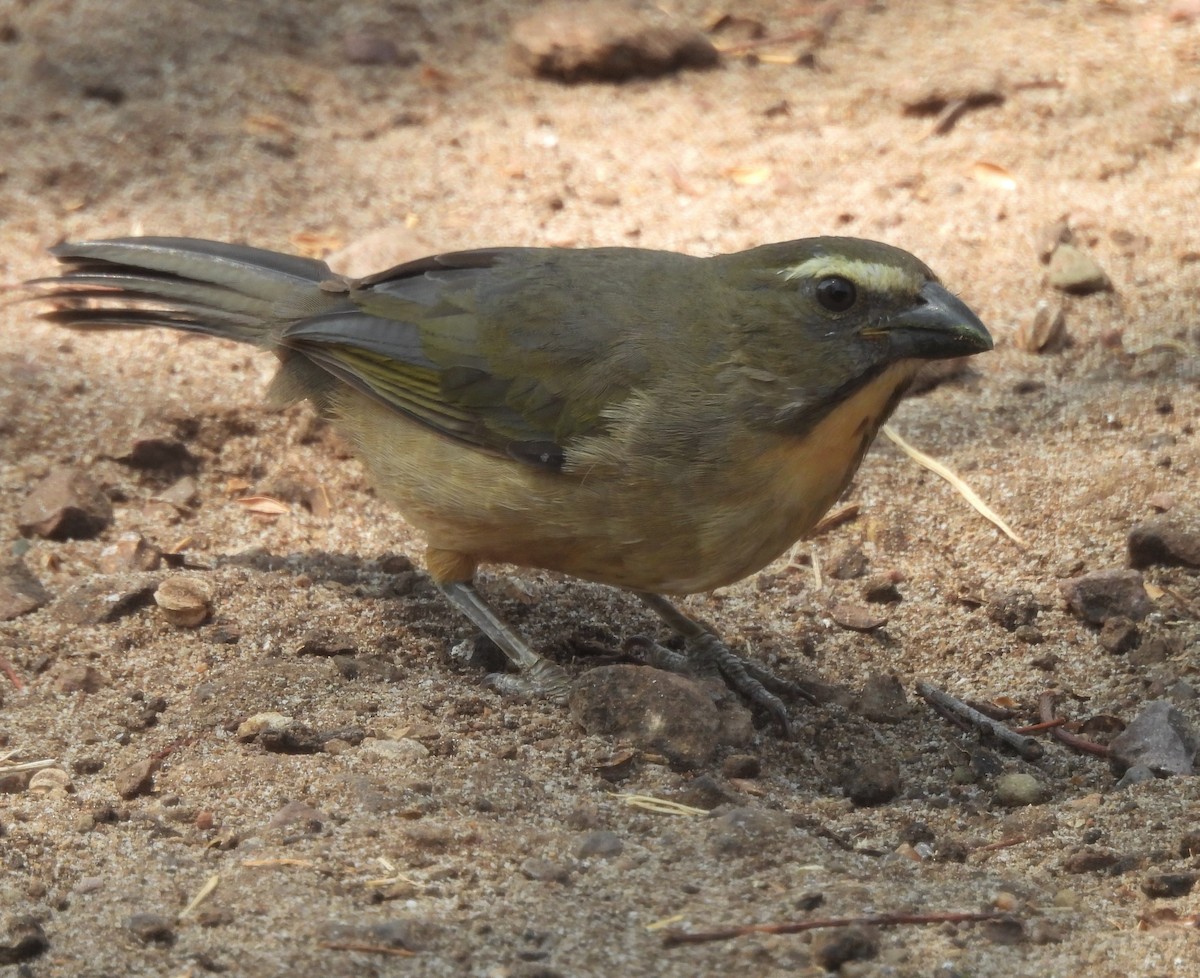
x=493 y=836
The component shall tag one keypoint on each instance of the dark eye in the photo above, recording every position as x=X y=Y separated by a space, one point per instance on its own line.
x=835 y=293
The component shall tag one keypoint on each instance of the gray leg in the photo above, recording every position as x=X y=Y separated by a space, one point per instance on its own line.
x=707 y=653
x=539 y=676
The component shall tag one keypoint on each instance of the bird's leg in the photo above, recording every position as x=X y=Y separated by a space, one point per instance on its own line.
x=707 y=653
x=539 y=676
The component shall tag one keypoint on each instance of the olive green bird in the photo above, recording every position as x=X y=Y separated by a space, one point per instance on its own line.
x=654 y=421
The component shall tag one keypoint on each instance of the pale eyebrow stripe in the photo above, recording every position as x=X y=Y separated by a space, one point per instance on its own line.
x=872 y=275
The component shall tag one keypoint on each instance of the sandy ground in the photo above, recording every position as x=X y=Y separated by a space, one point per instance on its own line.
x=493 y=837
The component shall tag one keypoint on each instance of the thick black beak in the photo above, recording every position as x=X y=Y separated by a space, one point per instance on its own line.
x=938 y=326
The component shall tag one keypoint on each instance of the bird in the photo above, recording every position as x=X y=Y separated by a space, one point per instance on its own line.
x=655 y=421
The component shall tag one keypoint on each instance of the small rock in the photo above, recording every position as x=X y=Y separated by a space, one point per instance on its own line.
x=251 y=727
x=296 y=738
x=601 y=843
x=1013 y=609
x=741 y=766
x=1135 y=775
x=76 y=678
x=1172 y=539
x=105 y=599
x=846 y=564
x=365 y=48
x=1007 y=931
x=1101 y=595
x=605 y=41
x=131 y=552
x=322 y=641
x=834 y=949
x=136 y=779
x=20 y=591
x=1159 y=738
x=407 y=933
x=875 y=781
x=21 y=939
x=1119 y=635
x=432 y=835
x=1074 y=271
x=1017 y=790
x=883 y=700
x=149 y=454
x=856 y=617
x=545 y=870
x=66 y=505
x=297 y=814
x=1091 y=860
x=746 y=831
x=1168 y=886
x=181 y=495
x=402 y=749
x=184 y=601
x=882 y=589
x=152 y=928
x=1189 y=845
x=707 y=793
x=656 y=710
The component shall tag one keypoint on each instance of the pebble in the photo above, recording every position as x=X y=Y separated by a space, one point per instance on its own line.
x=105 y=599
x=657 y=711
x=365 y=48
x=1090 y=860
x=20 y=591
x=152 y=928
x=1044 y=332
x=741 y=766
x=136 y=779
x=299 y=814
x=600 y=40
x=1159 y=738
x=66 y=505
x=50 y=779
x=184 y=601
x=1013 y=609
x=1168 y=886
x=251 y=727
x=131 y=552
x=1074 y=271
x=1172 y=539
x=402 y=749
x=1119 y=635
x=875 y=781
x=836 y=948
x=883 y=700
x=1018 y=789
x=746 y=831
x=600 y=843
x=1101 y=595
x=21 y=939
x=545 y=870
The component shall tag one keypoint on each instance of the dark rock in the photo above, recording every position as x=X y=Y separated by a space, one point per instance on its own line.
x=1101 y=595
x=882 y=589
x=1159 y=738
x=706 y=792
x=164 y=454
x=21 y=939
x=847 y=563
x=741 y=766
x=874 y=782
x=105 y=599
x=1172 y=539
x=152 y=928
x=835 y=948
x=366 y=48
x=295 y=738
x=883 y=700
x=604 y=41
x=1189 y=845
x=76 y=678
x=657 y=711
x=1119 y=635
x=1091 y=860
x=1013 y=609
x=136 y=779
x=1006 y=931
x=66 y=505
x=1168 y=886
x=20 y=591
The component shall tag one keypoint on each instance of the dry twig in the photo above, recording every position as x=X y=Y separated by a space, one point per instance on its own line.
x=1027 y=747
x=675 y=937
x=1074 y=741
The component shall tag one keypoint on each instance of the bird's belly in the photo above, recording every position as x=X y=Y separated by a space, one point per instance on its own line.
x=695 y=531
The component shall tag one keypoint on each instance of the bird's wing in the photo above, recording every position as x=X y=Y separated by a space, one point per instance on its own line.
x=511 y=351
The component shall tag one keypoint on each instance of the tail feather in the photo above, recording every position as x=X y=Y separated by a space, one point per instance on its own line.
x=234 y=291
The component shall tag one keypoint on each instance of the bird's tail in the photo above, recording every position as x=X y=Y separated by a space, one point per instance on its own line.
x=225 y=290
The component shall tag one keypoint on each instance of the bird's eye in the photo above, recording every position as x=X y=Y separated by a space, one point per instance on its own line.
x=836 y=293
